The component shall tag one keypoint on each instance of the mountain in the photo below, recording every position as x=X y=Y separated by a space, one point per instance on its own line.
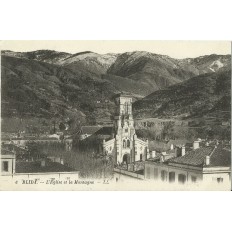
x=206 y=94
x=33 y=88
x=48 y=56
x=155 y=71
x=206 y=64
x=93 y=62
x=147 y=71
x=50 y=84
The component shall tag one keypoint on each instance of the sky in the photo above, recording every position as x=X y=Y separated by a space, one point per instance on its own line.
x=175 y=49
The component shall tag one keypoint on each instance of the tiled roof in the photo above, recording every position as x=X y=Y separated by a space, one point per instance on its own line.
x=106 y=130
x=35 y=167
x=193 y=157
x=90 y=129
x=218 y=157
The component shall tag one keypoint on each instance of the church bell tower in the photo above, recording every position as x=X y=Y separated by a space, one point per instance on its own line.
x=124 y=129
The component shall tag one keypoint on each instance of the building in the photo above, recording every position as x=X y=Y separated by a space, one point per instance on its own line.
x=42 y=166
x=12 y=167
x=208 y=164
x=21 y=143
x=87 y=131
x=8 y=162
x=124 y=145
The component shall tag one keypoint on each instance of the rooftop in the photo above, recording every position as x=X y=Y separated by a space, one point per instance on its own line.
x=35 y=167
x=106 y=130
x=218 y=157
x=90 y=129
x=122 y=95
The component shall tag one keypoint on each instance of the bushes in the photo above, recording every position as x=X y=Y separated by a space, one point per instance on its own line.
x=88 y=165
x=146 y=134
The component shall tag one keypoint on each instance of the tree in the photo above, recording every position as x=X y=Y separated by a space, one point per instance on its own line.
x=168 y=130
x=33 y=150
x=62 y=126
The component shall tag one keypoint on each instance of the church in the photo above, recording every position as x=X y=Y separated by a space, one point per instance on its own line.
x=125 y=146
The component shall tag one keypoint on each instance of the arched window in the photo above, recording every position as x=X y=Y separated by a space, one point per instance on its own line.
x=126 y=107
x=128 y=143
x=124 y=143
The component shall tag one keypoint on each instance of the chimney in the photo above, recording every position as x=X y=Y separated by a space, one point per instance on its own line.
x=182 y=150
x=207 y=160
x=161 y=159
x=153 y=154
x=171 y=147
x=196 y=145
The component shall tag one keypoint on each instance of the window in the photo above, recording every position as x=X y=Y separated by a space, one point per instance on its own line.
x=5 y=166
x=128 y=143
x=141 y=157
x=124 y=143
x=193 y=179
x=126 y=130
x=181 y=178
x=219 y=180
x=172 y=177
x=148 y=172
x=164 y=175
x=155 y=173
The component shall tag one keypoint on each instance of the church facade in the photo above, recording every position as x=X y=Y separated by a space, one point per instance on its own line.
x=125 y=146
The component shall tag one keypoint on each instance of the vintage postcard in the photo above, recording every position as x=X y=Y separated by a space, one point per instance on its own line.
x=115 y=115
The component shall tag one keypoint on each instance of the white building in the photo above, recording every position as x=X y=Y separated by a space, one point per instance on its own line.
x=209 y=164
x=8 y=162
x=125 y=147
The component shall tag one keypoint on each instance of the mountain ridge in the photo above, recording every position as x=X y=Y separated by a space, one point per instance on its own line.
x=197 y=97
x=43 y=83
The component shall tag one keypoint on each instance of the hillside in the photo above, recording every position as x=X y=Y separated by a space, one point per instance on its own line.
x=77 y=87
x=147 y=71
x=37 y=89
x=160 y=71
x=203 y=95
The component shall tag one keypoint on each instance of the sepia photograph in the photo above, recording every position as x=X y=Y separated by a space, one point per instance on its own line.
x=115 y=115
